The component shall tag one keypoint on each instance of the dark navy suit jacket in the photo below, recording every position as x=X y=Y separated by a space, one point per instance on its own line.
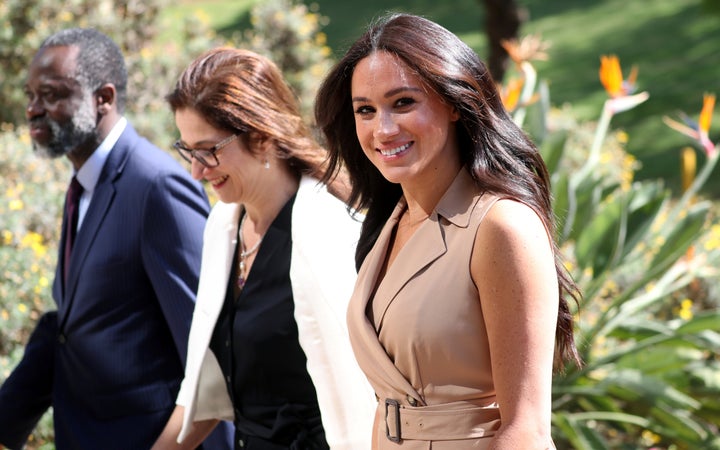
x=110 y=359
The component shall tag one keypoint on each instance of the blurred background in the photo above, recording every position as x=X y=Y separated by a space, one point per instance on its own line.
x=636 y=200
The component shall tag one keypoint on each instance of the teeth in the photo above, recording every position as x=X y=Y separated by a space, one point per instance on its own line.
x=219 y=180
x=395 y=151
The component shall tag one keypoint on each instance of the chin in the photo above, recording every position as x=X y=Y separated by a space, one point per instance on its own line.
x=395 y=175
x=47 y=151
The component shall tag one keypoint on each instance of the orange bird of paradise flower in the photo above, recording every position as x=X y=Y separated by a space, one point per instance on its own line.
x=612 y=79
x=510 y=94
x=697 y=130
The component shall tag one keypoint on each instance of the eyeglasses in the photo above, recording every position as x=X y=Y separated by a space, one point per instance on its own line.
x=205 y=157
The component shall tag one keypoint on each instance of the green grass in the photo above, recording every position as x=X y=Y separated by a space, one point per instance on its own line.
x=674 y=43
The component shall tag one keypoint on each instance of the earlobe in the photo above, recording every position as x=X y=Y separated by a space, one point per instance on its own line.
x=105 y=97
x=454 y=115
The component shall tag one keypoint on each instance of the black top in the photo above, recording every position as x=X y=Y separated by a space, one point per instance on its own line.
x=256 y=343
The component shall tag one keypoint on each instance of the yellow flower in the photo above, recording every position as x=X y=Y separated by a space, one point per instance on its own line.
x=202 y=16
x=713 y=241
x=7 y=237
x=22 y=308
x=65 y=16
x=688 y=167
x=34 y=241
x=650 y=438
x=685 y=311
x=16 y=205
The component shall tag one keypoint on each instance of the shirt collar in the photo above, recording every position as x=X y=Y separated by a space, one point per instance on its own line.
x=89 y=173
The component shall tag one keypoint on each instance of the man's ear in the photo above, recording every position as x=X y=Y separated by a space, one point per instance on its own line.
x=106 y=98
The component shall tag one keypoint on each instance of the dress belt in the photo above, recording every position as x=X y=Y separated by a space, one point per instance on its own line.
x=443 y=422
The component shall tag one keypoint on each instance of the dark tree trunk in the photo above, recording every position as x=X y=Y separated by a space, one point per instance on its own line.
x=502 y=21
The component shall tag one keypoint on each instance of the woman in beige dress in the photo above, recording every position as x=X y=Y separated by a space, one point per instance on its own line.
x=460 y=307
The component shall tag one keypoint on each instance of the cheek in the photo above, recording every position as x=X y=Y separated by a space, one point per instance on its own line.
x=60 y=113
x=364 y=131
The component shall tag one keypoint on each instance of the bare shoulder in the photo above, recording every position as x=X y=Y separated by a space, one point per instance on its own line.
x=511 y=235
x=511 y=219
x=513 y=256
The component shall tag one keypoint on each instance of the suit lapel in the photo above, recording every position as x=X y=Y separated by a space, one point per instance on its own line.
x=100 y=204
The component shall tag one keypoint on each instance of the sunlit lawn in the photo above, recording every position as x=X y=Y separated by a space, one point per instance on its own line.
x=674 y=43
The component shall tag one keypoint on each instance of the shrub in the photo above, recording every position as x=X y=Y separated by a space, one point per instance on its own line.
x=33 y=191
x=648 y=323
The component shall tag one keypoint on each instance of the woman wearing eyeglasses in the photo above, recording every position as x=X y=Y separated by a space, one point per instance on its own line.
x=268 y=346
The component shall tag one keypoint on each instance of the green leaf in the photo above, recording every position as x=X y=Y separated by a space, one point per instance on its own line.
x=552 y=149
x=588 y=194
x=678 y=423
x=706 y=320
x=611 y=417
x=578 y=433
x=597 y=245
x=639 y=328
x=634 y=385
x=647 y=200
x=680 y=237
x=561 y=205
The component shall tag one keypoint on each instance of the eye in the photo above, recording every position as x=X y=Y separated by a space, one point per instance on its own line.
x=46 y=95
x=405 y=102
x=364 y=110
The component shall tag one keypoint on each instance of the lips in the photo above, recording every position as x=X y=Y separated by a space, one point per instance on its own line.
x=39 y=131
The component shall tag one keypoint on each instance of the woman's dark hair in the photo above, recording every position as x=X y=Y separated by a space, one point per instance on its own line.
x=498 y=154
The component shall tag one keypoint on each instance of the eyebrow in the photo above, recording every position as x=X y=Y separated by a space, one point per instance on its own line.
x=391 y=93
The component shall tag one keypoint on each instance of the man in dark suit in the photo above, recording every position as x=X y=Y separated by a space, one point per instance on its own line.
x=110 y=359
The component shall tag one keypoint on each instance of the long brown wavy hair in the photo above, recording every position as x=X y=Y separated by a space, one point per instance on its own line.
x=499 y=155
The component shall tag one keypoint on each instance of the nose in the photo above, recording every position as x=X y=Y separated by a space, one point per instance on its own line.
x=386 y=126
x=197 y=169
x=34 y=107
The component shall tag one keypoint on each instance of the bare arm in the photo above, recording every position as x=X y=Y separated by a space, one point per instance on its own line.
x=513 y=267
x=168 y=438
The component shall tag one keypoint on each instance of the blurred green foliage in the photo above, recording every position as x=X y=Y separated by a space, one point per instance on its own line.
x=647 y=326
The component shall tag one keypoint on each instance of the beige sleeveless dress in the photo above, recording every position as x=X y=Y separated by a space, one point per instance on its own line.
x=426 y=351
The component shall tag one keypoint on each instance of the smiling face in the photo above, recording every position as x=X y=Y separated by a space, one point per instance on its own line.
x=403 y=127
x=234 y=179
x=62 y=114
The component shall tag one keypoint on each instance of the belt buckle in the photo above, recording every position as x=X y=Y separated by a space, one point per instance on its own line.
x=396 y=404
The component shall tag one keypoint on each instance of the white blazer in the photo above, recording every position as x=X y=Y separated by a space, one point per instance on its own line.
x=322 y=273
